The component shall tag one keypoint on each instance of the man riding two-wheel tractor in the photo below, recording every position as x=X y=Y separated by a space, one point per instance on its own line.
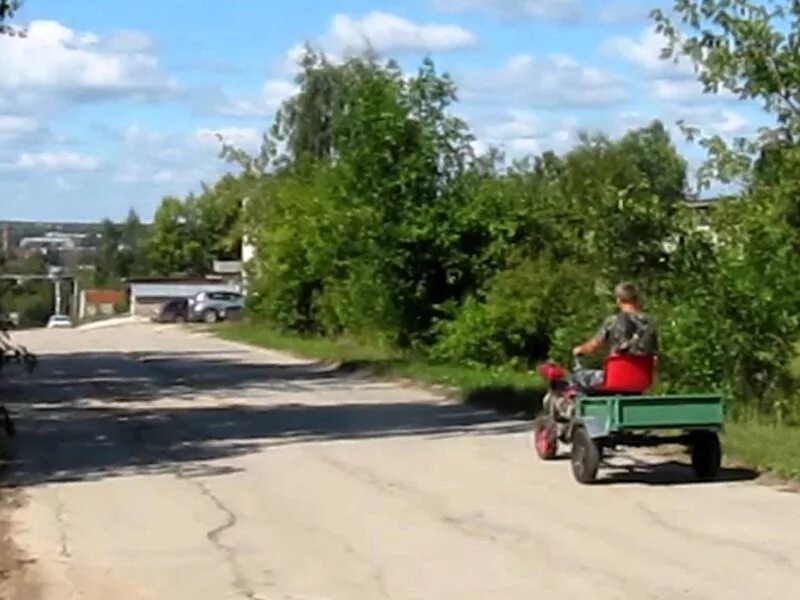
x=597 y=411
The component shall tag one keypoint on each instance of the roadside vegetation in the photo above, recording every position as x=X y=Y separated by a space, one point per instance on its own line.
x=762 y=444
x=374 y=218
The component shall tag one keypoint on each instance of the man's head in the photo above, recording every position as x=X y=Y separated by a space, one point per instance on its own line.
x=626 y=295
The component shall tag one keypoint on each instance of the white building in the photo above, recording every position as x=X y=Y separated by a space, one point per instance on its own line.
x=146 y=294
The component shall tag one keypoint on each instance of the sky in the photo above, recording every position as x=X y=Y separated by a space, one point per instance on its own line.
x=111 y=105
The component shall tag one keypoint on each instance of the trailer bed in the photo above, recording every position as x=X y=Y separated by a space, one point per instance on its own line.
x=605 y=415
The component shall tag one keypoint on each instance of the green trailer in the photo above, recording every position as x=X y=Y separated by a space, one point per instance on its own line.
x=603 y=423
x=596 y=422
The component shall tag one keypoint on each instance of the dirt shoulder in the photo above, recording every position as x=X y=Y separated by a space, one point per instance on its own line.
x=16 y=577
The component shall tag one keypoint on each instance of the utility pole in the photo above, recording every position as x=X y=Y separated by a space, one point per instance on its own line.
x=77 y=313
x=55 y=274
x=248 y=249
x=57 y=308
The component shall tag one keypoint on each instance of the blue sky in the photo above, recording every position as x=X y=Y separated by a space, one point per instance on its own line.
x=112 y=105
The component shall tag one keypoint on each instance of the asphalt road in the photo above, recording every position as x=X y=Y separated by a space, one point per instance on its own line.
x=163 y=464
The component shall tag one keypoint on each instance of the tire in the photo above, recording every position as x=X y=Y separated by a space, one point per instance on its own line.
x=545 y=437
x=706 y=455
x=585 y=456
x=210 y=316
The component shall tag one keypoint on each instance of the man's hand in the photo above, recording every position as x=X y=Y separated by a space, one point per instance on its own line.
x=589 y=347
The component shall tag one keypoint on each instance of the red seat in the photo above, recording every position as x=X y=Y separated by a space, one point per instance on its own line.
x=627 y=373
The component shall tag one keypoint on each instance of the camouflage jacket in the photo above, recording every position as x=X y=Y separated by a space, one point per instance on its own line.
x=630 y=332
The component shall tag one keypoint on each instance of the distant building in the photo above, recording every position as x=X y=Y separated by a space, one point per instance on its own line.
x=229 y=270
x=96 y=302
x=149 y=293
x=46 y=243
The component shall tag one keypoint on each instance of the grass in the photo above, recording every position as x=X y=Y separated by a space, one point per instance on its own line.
x=505 y=389
x=769 y=448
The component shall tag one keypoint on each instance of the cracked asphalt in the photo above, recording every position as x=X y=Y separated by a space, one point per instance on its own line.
x=159 y=463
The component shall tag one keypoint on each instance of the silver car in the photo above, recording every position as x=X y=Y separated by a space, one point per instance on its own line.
x=59 y=322
x=215 y=306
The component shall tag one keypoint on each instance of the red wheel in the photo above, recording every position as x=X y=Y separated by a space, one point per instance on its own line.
x=545 y=438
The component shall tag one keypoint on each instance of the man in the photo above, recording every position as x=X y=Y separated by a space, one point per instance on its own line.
x=630 y=331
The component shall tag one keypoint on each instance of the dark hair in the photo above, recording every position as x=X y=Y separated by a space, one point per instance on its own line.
x=626 y=292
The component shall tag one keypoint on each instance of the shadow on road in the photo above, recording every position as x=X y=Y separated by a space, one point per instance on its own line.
x=507 y=399
x=88 y=416
x=670 y=473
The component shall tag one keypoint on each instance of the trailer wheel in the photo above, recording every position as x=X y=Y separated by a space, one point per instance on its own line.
x=7 y=433
x=585 y=456
x=706 y=455
x=545 y=437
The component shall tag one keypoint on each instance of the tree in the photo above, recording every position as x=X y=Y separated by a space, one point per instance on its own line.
x=173 y=247
x=120 y=251
x=133 y=239
x=106 y=258
x=306 y=122
x=219 y=212
x=748 y=48
x=188 y=235
x=7 y=10
x=393 y=221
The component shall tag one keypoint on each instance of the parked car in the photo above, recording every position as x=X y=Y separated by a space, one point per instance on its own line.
x=59 y=322
x=215 y=306
x=172 y=311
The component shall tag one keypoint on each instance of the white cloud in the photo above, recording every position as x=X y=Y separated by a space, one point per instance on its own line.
x=711 y=120
x=128 y=41
x=63 y=184
x=551 y=81
x=714 y=120
x=644 y=52
x=386 y=32
x=518 y=124
x=12 y=127
x=479 y=146
x=668 y=80
x=176 y=162
x=380 y=32
x=56 y=161
x=164 y=176
x=272 y=95
x=55 y=62
x=565 y=11
x=242 y=137
x=561 y=10
x=520 y=133
x=689 y=92
x=135 y=135
x=179 y=149
x=686 y=90
x=629 y=11
x=730 y=122
x=143 y=173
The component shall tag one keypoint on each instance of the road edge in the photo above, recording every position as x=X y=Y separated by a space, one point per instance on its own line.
x=18 y=580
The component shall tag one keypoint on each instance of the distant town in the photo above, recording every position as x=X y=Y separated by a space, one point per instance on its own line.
x=77 y=271
x=69 y=243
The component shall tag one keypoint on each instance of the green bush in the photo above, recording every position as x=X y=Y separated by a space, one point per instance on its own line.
x=525 y=308
x=379 y=222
